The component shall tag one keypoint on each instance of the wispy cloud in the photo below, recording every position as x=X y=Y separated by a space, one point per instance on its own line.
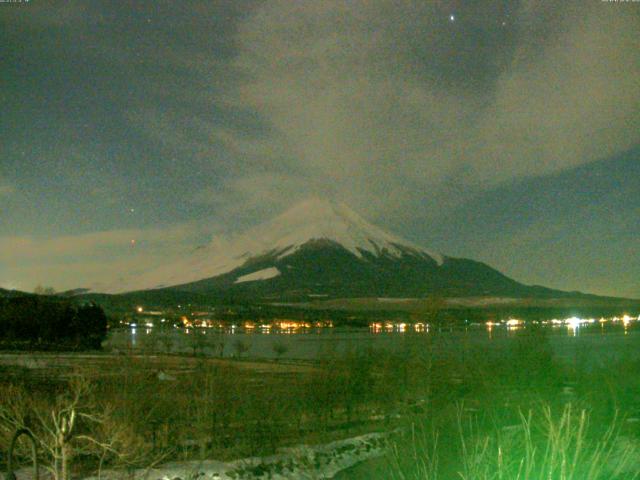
x=386 y=104
x=391 y=106
x=353 y=100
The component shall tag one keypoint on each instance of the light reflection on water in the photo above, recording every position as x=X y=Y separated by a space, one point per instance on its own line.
x=572 y=326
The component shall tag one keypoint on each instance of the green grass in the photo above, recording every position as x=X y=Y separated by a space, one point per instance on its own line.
x=526 y=417
x=513 y=413
x=542 y=445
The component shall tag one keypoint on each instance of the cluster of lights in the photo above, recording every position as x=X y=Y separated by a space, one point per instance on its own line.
x=285 y=326
x=199 y=323
x=514 y=323
x=291 y=326
x=378 y=327
x=625 y=319
x=572 y=323
x=511 y=324
x=575 y=322
x=199 y=320
x=389 y=327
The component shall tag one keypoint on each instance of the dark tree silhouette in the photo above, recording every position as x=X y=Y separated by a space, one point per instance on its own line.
x=36 y=322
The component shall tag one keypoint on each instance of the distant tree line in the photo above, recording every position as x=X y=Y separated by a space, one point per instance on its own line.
x=48 y=322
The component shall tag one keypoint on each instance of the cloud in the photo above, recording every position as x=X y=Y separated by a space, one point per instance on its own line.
x=573 y=105
x=88 y=259
x=384 y=100
x=247 y=200
x=391 y=107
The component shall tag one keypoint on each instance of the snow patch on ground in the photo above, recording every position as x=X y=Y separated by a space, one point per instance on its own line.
x=263 y=274
x=296 y=463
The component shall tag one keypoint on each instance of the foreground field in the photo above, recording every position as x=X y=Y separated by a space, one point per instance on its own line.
x=510 y=413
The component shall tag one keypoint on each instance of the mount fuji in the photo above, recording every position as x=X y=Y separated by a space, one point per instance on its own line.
x=322 y=249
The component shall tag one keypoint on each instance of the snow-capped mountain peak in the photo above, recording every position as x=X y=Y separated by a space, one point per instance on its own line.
x=319 y=219
x=312 y=220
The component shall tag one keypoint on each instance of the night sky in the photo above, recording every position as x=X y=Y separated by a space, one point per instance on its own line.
x=504 y=131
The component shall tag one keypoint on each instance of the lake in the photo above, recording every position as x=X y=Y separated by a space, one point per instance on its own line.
x=597 y=343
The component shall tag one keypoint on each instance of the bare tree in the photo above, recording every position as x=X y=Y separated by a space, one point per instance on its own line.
x=72 y=426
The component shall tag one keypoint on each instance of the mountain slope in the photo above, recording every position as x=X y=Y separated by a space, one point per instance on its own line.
x=322 y=250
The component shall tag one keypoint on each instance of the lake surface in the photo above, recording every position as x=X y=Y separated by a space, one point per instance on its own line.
x=591 y=344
